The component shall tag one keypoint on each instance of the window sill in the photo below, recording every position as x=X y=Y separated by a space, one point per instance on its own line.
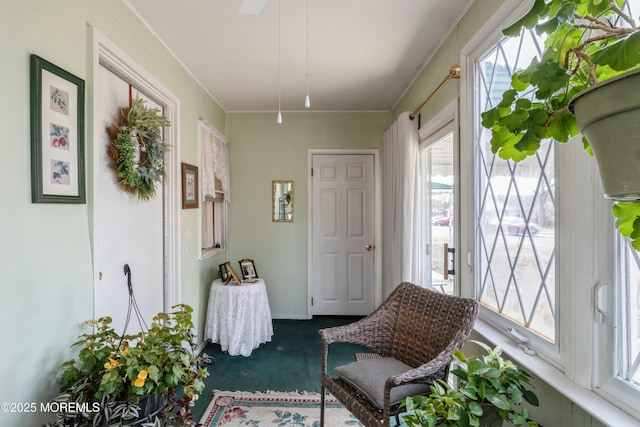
x=208 y=253
x=592 y=403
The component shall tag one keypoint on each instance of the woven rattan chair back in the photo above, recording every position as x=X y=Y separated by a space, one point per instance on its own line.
x=427 y=323
x=417 y=326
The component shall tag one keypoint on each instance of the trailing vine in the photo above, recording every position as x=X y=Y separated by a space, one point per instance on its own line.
x=137 y=148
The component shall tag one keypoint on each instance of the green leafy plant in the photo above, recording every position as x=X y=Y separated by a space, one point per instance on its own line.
x=113 y=375
x=137 y=148
x=490 y=387
x=588 y=41
x=287 y=196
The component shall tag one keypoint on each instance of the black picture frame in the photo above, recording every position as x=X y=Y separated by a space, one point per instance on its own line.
x=57 y=134
x=223 y=272
x=248 y=269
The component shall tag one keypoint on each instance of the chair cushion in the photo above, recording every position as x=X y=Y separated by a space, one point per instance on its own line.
x=368 y=377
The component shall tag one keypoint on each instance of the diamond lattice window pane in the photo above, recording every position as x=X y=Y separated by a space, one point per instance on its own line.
x=515 y=208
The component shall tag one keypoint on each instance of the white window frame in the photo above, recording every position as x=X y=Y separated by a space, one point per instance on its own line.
x=220 y=200
x=582 y=365
x=549 y=349
x=442 y=123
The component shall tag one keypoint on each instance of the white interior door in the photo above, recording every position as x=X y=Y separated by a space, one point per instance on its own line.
x=343 y=247
x=127 y=230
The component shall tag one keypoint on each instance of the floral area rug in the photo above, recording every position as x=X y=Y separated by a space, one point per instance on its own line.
x=272 y=408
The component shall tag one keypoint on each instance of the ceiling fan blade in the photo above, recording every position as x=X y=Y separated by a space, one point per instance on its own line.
x=252 y=7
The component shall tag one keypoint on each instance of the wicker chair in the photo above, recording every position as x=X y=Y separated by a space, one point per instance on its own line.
x=416 y=326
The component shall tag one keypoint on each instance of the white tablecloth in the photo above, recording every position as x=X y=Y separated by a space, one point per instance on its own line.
x=238 y=317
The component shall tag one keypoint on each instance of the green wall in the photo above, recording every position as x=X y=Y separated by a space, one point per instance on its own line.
x=261 y=151
x=447 y=56
x=46 y=253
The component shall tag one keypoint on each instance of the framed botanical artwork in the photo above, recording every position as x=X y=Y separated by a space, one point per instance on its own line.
x=57 y=134
x=189 y=186
x=248 y=269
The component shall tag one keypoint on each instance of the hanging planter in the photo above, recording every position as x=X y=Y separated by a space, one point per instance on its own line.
x=610 y=119
x=137 y=148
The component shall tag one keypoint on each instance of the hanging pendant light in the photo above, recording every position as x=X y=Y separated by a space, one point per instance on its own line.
x=307 y=101
x=279 y=118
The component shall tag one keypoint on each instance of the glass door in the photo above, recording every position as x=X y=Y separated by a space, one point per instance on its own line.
x=438 y=203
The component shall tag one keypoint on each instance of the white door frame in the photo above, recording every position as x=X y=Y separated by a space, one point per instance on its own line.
x=377 y=288
x=109 y=55
x=448 y=116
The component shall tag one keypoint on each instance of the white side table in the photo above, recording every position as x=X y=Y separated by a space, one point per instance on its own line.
x=238 y=317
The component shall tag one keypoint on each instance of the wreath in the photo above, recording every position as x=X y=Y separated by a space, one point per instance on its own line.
x=137 y=148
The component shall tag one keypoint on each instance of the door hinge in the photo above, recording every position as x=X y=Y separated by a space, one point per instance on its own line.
x=312 y=301
x=311 y=171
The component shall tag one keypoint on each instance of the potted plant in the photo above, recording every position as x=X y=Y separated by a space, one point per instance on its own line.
x=592 y=47
x=153 y=376
x=490 y=389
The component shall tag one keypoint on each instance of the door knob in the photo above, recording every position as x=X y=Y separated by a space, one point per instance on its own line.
x=369 y=247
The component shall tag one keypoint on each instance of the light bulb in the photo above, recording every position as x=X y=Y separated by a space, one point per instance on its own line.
x=279 y=119
x=307 y=102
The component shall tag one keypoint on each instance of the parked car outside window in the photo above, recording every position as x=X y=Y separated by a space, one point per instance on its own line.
x=516 y=226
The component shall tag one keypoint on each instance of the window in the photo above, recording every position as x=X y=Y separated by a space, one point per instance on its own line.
x=437 y=171
x=629 y=306
x=515 y=209
x=542 y=252
x=618 y=353
x=214 y=166
x=618 y=358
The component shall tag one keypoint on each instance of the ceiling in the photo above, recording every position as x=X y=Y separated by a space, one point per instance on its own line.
x=363 y=54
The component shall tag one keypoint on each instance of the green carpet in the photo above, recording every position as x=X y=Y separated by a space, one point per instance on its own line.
x=290 y=362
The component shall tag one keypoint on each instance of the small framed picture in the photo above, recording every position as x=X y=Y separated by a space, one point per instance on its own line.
x=57 y=134
x=189 y=186
x=232 y=274
x=223 y=272
x=248 y=269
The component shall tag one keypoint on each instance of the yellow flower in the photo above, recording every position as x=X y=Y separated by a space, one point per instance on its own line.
x=126 y=351
x=142 y=375
x=112 y=363
x=138 y=382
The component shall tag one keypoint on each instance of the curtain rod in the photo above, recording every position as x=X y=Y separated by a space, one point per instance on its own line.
x=454 y=73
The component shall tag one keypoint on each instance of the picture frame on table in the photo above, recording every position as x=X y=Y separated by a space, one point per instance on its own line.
x=248 y=269
x=223 y=273
x=232 y=274
x=189 y=186
x=57 y=134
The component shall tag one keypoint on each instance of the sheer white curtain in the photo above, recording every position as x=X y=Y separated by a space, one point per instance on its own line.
x=215 y=162
x=399 y=204
x=214 y=168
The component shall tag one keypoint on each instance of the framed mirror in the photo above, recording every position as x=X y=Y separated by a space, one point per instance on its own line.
x=282 y=201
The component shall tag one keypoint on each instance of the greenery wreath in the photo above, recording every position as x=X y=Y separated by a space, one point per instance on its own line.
x=137 y=148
